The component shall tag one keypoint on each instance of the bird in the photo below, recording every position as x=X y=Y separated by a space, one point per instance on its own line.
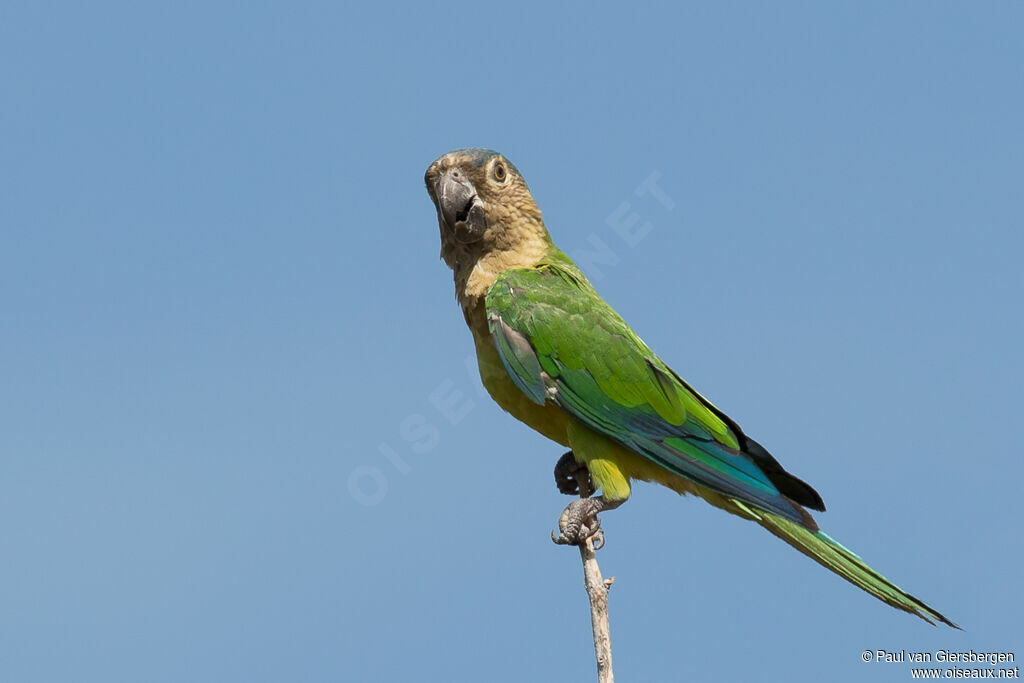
x=555 y=356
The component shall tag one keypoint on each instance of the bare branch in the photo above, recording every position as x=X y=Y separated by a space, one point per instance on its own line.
x=597 y=592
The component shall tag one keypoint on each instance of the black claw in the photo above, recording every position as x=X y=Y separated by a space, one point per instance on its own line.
x=578 y=521
x=569 y=474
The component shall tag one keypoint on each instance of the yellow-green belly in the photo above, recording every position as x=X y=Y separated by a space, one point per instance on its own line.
x=547 y=419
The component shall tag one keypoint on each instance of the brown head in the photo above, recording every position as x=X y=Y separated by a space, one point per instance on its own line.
x=484 y=209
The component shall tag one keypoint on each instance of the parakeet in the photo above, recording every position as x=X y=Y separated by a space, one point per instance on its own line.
x=553 y=354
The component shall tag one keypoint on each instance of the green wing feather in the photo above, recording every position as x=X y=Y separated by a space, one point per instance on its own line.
x=560 y=341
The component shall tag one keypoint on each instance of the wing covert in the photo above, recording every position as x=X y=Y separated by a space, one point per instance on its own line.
x=559 y=341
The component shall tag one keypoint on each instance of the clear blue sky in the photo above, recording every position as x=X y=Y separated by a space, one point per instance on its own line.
x=226 y=331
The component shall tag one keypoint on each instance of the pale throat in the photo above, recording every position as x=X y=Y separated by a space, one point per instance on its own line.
x=475 y=275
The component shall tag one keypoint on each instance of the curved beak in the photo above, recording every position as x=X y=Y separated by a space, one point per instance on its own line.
x=458 y=206
x=454 y=196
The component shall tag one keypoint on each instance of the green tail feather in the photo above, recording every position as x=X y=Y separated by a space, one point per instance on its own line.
x=828 y=552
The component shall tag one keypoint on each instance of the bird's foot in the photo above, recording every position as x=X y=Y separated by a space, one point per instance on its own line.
x=569 y=474
x=578 y=522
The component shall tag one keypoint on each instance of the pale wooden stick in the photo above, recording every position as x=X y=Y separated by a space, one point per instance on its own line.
x=597 y=592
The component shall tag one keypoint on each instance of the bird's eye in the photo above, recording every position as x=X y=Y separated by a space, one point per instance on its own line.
x=499 y=172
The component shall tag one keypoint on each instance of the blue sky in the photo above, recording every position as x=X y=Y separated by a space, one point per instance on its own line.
x=239 y=438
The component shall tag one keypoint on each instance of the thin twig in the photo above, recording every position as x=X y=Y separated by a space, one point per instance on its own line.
x=597 y=592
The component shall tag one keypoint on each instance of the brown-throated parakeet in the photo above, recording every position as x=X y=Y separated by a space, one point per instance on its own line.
x=553 y=354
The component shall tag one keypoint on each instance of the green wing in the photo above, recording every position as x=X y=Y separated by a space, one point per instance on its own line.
x=560 y=342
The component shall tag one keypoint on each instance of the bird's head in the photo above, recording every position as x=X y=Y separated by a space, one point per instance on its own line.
x=483 y=204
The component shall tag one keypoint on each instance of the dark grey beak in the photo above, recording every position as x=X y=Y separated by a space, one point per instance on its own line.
x=458 y=206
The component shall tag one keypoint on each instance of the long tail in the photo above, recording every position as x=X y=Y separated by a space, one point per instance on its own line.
x=828 y=552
